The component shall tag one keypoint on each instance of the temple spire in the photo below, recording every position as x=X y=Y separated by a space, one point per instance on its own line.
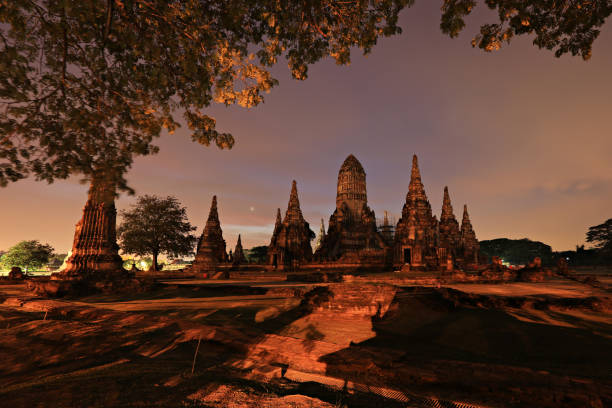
x=415 y=174
x=467 y=231
x=294 y=201
x=279 y=219
x=469 y=242
x=294 y=213
x=415 y=189
x=466 y=216
x=447 y=208
x=210 y=250
x=277 y=226
x=290 y=243
x=239 y=257
x=213 y=214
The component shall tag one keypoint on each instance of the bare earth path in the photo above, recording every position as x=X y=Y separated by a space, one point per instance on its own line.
x=275 y=344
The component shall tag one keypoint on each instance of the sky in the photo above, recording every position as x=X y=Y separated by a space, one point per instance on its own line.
x=521 y=137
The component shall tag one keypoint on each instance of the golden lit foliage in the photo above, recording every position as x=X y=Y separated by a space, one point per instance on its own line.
x=88 y=85
x=565 y=26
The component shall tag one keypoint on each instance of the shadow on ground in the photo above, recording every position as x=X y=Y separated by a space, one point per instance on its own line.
x=453 y=345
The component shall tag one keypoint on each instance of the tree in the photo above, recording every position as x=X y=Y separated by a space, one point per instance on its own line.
x=517 y=251
x=156 y=225
x=28 y=255
x=601 y=238
x=565 y=26
x=258 y=254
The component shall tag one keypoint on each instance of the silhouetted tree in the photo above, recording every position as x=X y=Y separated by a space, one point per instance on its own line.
x=27 y=255
x=258 y=254
x=565 y=26
x=581 y=256
x=517 y=251
x=601 y=238
x=155 y=226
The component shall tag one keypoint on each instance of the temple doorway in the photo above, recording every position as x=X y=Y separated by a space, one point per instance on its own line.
x=407 y=254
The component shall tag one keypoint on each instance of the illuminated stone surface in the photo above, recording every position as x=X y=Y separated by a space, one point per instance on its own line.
x=211 y=245
x=95 y=253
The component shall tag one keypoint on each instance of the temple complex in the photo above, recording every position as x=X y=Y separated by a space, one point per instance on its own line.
x=211 y=245
x=290 y=243
x=239 y=257
x=421 y=242
x=353 y=240
x=352 y=236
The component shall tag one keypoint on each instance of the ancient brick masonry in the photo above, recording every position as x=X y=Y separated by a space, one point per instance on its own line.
x=352 y=236
x=95 y=253
x=239 y=257
x=421 y=242
x=211 y=245
x=416 y=233
x=353 y=239
x=290 y=243
x=469 y=244
x=449 y=235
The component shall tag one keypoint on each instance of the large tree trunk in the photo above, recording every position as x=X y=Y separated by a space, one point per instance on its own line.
x=154 y=265
x=95 y=253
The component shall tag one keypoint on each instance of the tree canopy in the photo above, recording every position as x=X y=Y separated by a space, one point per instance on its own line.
x=600 y=236
x=517 y=251
x=564 y=26
x=258 y=254
x=154 y=226
x=86 y=86
x=28 y=255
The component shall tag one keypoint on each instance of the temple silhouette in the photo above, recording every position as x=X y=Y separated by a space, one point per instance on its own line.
x=353 y=239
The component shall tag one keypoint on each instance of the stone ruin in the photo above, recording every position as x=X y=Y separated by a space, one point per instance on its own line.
x=16 y=273
x=239 y=257
x=419 y=242
x=95 y=253
x=352 y=236
x=290 y=243
x=417 y=231
x=423 y=242
x=468 y=244
x=210 y=251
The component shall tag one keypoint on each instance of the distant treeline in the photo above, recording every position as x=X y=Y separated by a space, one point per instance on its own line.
x=522 y=251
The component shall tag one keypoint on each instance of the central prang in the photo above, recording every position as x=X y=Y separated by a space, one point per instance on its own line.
x=352 y=186
x=352 y=234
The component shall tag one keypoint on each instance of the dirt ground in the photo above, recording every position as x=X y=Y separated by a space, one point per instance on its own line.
x=278 y=344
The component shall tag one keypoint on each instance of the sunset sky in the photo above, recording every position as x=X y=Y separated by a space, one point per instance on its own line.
x=520 y=136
